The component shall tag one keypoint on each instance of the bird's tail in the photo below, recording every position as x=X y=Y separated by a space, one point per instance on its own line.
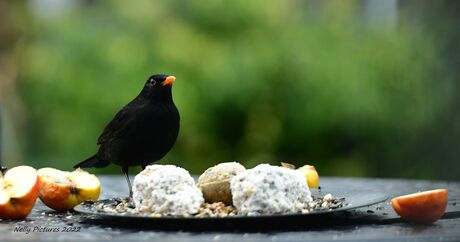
x=92 y=161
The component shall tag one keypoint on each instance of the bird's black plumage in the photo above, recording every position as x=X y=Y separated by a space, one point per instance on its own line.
x=143 y=131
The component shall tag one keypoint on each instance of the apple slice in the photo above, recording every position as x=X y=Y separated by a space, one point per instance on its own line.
x=310 y=174
x=63 y=190
x=421 y=207
x=18 y=192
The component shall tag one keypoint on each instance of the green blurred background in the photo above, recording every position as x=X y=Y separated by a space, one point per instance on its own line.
x=356 y=88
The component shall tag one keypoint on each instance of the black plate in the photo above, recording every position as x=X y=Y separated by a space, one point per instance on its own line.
x=353 y=199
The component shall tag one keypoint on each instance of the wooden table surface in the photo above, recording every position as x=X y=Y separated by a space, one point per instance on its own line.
x=446 y=229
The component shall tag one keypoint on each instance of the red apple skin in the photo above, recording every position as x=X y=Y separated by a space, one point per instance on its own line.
x=63 y=197
x=54 y=196
x=19 y=208
x=422 y=207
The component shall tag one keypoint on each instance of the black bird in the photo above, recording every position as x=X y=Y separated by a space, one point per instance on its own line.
x=142 y=132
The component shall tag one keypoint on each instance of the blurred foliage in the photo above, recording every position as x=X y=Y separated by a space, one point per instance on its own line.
x=258 y=81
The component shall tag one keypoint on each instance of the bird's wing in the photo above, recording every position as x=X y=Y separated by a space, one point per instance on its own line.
x=119 y=125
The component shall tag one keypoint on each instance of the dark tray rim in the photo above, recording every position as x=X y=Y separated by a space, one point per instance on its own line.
x=369 y=198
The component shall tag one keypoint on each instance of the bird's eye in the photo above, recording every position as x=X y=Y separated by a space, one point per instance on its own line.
x=152 y=82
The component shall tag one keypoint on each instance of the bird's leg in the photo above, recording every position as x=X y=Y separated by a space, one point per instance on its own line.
x=2 y=170
x=124 y=169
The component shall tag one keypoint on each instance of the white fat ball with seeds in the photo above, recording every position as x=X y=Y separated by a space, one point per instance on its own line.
x=267 y=189
x=166 y=190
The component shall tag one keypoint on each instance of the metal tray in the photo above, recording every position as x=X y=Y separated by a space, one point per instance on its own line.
x=353 y=199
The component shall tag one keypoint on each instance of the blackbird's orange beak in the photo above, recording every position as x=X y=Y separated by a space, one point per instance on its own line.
x=169 y=80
